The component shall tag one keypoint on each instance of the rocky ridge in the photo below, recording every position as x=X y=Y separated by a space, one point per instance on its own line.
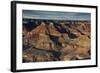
x=50 y=41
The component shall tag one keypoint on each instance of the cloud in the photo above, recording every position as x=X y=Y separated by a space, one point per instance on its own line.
x=35 y=14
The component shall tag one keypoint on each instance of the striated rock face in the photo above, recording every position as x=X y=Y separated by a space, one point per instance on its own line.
x=53 y=31
x=52 y=41
x=44 y=43
x=36 y=55
x=40 y=29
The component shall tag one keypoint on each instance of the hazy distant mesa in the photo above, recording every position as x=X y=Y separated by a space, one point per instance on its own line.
x=55 y=15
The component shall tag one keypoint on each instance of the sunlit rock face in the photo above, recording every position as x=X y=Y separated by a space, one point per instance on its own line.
x=56 y=41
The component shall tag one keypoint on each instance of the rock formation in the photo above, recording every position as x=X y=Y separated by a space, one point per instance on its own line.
x=52 y=41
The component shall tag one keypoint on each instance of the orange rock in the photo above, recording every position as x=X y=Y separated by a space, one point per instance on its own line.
x=68 y=49
x=83 y=51
x=41 y=29
x=53 y=31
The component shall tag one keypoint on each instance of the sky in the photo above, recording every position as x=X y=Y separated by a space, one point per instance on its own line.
x=55 y=15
